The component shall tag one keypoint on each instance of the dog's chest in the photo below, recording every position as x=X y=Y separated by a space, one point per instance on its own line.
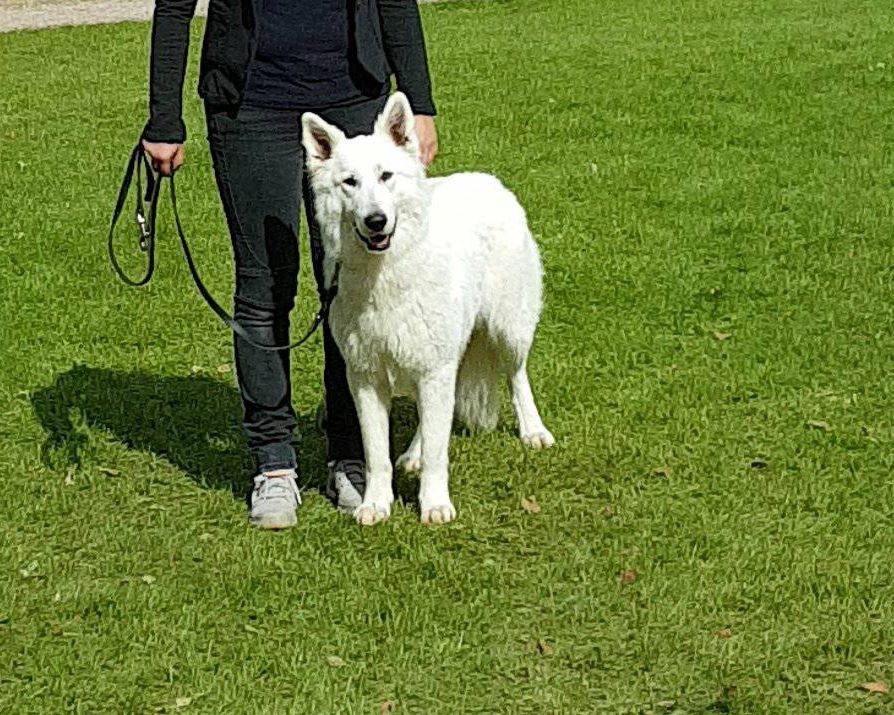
x=401 y=338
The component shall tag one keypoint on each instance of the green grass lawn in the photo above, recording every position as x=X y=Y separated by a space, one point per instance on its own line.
x=692 y=170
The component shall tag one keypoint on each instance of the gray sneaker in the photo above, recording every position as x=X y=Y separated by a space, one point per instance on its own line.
x=346 y=484
x=274 y=501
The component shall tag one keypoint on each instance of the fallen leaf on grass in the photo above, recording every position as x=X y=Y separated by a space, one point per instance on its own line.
x=664 y=471
x=530 y=505
x=223 y=368
x=335 y=661
x=108 y=470
x=608 y=511
x=874 y=687
x=386 y=707
x=69 y=479
x=147 y=579
x=720 y=337
x=628 y=576
x=545 y=648
x=818 y=424
x=729 y=692
x=724 y=633
x=179 y=703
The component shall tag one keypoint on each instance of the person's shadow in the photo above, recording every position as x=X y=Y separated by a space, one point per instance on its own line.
x=194 y=422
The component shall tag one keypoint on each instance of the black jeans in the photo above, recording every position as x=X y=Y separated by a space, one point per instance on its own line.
x=259 y=166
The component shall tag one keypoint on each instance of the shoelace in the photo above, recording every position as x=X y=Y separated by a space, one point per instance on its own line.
x=276 y=488
x=355 y=471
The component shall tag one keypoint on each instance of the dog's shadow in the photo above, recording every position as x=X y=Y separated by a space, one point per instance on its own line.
x=194 y=422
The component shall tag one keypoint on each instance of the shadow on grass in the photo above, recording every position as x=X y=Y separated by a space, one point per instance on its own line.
x=193 y=422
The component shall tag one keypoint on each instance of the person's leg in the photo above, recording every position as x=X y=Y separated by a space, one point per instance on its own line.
x=257 y=159
x=343 y=438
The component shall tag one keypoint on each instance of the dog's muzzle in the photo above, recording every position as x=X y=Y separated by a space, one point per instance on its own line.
x=377 y=242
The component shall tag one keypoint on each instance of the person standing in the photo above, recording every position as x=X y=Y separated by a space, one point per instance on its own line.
x=263 y=64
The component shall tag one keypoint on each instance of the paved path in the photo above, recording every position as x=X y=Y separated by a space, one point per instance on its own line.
x=33 y=14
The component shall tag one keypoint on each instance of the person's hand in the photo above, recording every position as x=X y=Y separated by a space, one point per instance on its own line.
x=165 y=158
x=428 y=138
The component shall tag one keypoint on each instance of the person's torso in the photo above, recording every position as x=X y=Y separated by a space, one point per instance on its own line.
x=306 y=32
x=303 y=58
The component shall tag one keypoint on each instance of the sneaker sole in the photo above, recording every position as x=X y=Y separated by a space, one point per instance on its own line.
x=345 y=507
x=274 y=521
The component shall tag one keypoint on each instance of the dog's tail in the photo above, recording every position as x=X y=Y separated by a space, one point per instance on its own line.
x=478 y=384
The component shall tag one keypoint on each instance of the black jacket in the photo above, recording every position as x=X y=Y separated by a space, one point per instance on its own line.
x=386 y=39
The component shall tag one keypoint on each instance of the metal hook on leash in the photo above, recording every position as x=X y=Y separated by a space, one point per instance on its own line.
x=145 y=234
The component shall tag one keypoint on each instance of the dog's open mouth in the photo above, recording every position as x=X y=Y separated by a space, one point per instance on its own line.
x=376 y=242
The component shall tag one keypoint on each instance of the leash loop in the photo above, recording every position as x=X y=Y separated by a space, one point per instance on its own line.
x=146 y=223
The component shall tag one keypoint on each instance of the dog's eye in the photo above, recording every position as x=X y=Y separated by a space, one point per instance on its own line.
x=386 y=175
x=349 y=181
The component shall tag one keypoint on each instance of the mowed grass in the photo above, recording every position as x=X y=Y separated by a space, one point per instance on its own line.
x=711 y=184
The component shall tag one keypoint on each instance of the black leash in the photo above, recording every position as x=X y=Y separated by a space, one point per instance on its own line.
x=146 y=220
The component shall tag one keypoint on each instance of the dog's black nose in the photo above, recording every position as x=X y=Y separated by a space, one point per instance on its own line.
x=375 y=222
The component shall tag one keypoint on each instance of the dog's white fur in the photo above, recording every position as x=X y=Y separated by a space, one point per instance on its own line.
x=447 y=307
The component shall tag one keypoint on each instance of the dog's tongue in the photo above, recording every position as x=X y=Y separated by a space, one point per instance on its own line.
x=376 y=242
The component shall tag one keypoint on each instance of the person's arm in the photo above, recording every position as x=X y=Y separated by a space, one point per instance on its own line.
x=165 y=132
x=404 y=45
x=405 y=48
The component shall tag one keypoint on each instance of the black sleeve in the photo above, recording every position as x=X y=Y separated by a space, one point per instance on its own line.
x=405 y=48
x=170 y=46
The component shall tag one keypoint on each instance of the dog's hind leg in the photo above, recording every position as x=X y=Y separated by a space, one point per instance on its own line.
x=436 y=396
x=411 y=459
x=531 y=429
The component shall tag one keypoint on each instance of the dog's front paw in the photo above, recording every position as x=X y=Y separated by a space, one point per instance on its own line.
x=369 y=513
x=440 y=514
x=538 y=439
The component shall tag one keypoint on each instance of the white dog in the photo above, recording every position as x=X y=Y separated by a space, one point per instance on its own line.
x=439 y=294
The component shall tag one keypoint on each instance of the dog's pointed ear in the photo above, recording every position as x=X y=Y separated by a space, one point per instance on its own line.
x=396 y=122
x=319 y=139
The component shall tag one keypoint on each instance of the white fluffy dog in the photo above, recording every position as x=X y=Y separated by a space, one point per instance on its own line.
x=439 y=294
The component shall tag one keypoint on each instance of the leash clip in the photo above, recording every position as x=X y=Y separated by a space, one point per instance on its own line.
x=143 y=223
